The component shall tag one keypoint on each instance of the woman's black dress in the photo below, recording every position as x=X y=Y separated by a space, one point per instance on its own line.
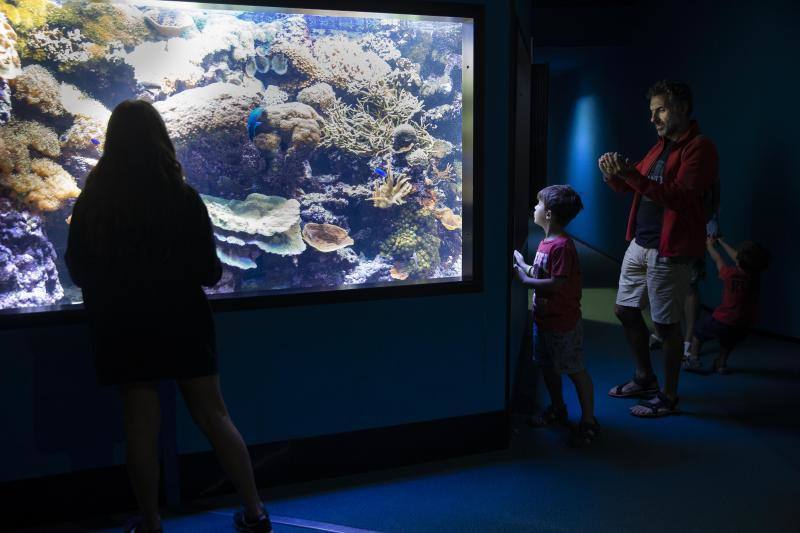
x=149 y=319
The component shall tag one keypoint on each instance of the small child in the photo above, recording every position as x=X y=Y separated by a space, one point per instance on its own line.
x=557 y=330
x=731 y=319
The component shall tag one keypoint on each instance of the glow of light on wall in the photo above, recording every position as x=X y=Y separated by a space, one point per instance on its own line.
x=582 y=172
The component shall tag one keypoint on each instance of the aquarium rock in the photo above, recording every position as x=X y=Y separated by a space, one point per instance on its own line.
x=28 y=275
x=5 y=102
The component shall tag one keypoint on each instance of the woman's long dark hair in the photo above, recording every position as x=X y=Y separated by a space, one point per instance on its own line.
x=131 y=199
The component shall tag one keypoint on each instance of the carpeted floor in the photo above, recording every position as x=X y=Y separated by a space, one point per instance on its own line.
x=730 y=462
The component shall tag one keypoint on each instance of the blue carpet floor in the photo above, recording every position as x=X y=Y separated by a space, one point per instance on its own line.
x=729 y=463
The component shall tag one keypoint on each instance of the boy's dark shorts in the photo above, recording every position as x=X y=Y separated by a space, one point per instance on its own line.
x=727 y=335
x=561 y=350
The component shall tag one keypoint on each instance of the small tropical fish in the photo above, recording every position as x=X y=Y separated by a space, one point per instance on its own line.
x=252 y=121
x=379 y=172
x=95 y=142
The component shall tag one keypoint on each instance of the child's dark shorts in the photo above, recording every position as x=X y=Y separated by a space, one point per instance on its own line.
x=561 y=350
x=727 y=335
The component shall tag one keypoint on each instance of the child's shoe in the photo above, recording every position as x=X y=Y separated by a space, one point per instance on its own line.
x=585 y=434
x=687 y=348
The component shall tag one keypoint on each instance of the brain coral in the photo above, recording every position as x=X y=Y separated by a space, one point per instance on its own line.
x=297 y=122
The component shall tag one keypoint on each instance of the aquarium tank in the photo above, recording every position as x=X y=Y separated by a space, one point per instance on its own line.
x=333 y=150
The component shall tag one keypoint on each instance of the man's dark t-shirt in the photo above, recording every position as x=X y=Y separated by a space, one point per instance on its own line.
x=650 y=214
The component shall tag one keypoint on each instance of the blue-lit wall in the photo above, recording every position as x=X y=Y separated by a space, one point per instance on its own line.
x=735 y=60
x=293 y=372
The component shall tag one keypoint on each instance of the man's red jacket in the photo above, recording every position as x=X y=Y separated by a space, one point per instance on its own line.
x=692 y=167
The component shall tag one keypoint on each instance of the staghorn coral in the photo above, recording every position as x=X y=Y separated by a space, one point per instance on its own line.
x=35 y=86
x=326 y=237
x=346 y=65
x=366 y=129
x=10 y=66
x=391 y=192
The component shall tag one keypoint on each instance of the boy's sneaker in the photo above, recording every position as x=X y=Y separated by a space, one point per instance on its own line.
x=687 y=348
x=262 y=525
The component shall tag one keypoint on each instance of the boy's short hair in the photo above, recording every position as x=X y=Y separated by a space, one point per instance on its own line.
x=562 y=201
x=674 y=92
x=753 y=257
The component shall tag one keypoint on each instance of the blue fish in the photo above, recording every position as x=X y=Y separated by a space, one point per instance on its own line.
x=252 y=121
x=95 y=141
x=379 y=172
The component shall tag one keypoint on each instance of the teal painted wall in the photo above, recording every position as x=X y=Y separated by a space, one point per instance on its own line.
x=735 y=60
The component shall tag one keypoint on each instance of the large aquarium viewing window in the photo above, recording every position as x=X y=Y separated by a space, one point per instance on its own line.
x=334 y=150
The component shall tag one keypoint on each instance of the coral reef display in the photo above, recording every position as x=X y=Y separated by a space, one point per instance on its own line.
x=327 y=149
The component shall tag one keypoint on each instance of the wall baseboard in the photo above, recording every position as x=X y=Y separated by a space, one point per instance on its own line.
x=101 y=492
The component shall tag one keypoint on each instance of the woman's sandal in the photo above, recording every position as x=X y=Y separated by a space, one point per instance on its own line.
x=656 y=407
x=585 y=434
x=551 y=416
x=635 y=387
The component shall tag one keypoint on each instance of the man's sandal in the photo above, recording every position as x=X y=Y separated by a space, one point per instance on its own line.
x=635 y=387
x=551 y=416
x=656 y=407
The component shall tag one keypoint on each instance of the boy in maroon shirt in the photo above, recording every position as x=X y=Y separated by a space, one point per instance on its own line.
x=731 y=319
x=555 y=277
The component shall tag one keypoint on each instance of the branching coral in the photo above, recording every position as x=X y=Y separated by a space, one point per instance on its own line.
x=366 y=129
x=391 y=192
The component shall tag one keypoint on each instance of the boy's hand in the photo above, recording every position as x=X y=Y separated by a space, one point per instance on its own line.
x=519 y=260
x=520 y=272
x=711 y=240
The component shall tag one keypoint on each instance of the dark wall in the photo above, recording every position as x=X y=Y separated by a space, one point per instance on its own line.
x=735 y=60
x=300 y=371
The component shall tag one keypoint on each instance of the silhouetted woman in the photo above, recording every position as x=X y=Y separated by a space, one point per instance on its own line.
x=140 y=247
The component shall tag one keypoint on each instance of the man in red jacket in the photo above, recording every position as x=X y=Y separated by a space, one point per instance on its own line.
x=666 y=230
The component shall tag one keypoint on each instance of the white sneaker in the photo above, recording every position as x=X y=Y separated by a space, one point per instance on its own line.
x=687 y=348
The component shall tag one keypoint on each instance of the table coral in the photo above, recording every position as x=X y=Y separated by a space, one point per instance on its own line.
x=326 y=237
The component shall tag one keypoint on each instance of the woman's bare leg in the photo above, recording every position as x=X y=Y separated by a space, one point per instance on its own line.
x=142 y=419
x=204 y=400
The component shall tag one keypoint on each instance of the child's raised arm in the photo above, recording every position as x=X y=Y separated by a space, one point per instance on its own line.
x=712 y=251
x=730 y=250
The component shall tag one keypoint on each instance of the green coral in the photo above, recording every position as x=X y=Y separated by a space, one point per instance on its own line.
x=26 y=15
x=101 y=22
x=414 y=242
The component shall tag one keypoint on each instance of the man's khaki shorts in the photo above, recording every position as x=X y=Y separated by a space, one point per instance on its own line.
x=661 y=283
